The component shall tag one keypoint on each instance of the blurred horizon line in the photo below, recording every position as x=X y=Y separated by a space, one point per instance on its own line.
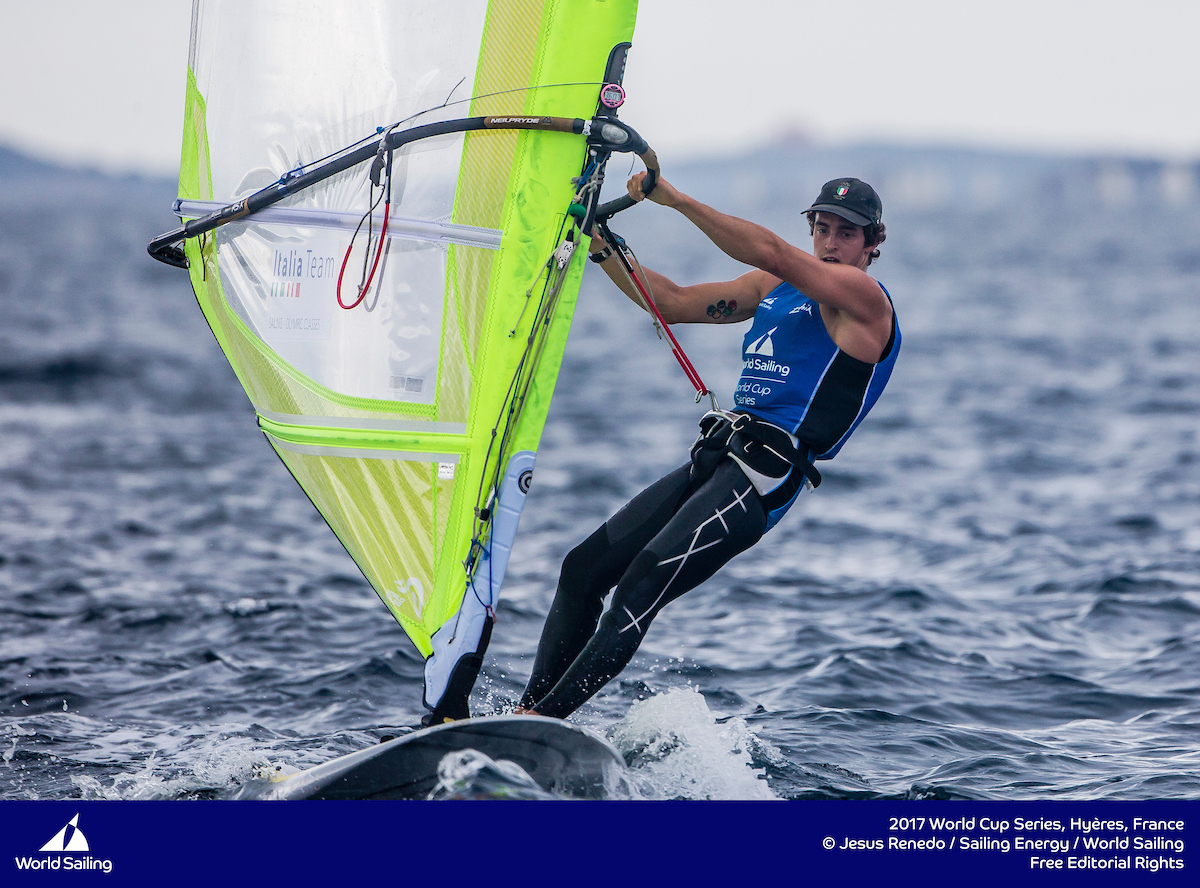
x=15 y=155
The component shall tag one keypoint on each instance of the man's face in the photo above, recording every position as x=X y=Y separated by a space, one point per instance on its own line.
x=839 y=240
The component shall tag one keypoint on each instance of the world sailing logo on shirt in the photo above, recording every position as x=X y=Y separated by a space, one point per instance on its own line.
x=760 y=357
x=763 y=345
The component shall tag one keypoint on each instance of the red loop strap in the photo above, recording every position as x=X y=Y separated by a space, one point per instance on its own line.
x=362 y=292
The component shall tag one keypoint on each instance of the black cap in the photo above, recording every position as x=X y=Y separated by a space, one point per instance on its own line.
x=852 y=199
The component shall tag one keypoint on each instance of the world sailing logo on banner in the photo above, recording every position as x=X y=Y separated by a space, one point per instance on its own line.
x=69 y=838
x=65 y=844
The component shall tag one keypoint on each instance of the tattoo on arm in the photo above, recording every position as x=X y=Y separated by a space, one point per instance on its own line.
x=722 y=309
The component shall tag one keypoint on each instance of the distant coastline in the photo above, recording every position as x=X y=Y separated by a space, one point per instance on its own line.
x=779 y=174
x=17 y=165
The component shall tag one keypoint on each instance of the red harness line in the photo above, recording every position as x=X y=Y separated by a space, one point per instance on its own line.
x=676 y=349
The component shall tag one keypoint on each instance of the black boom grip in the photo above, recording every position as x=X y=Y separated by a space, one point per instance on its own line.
x=610 y=209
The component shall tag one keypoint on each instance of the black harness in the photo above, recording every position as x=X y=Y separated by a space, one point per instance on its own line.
x=756 y=445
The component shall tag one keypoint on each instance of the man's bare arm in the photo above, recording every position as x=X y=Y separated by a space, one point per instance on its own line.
x=840 y=286
x=725 y=302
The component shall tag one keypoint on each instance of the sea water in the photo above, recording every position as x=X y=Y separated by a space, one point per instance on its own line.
x=994 y=594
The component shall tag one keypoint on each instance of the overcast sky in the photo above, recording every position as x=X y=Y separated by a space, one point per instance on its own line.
x=100 y=82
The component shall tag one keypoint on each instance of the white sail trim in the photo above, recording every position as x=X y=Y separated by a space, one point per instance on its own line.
x=460 y=636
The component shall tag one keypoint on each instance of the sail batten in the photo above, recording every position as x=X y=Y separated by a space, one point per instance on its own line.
x=398 y=226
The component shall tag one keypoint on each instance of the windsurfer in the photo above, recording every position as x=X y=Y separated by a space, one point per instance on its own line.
x=820 y=350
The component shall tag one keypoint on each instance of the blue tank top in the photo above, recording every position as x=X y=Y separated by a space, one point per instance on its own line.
x=795 y=376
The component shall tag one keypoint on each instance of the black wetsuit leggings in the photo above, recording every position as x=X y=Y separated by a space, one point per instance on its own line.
x=671 y=537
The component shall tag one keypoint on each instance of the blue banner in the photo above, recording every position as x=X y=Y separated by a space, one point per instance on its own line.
x=599 y=843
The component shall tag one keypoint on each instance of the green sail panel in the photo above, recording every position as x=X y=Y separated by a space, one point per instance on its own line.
x=384 y=413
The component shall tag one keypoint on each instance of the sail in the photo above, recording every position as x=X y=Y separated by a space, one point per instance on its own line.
x=412 y=419
x=60 y=842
